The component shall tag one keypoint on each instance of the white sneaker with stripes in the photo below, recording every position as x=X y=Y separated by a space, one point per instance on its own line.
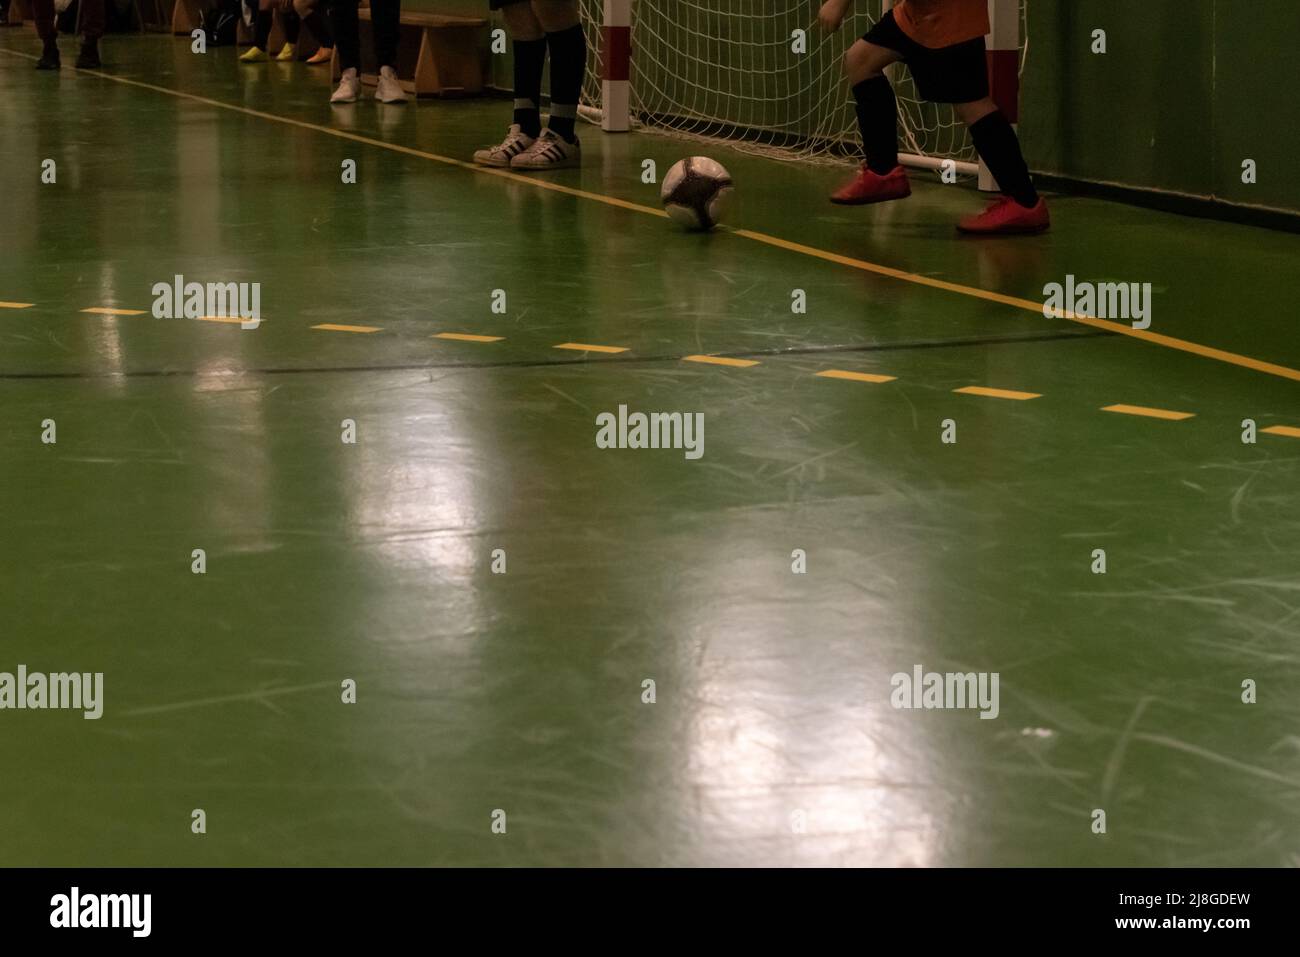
x=549 y=151
x=516 y=142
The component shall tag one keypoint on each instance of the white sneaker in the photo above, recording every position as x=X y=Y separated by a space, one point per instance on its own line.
x=389 y=90
x=349 y=87
x=516 y=142
x=549 y=151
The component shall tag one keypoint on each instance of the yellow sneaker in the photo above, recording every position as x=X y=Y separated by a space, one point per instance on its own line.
x=254 y=55
x=287 y=52
x=323 y=55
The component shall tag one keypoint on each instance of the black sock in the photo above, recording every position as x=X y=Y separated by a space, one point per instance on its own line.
x=530 y=59
x=999 y=147
x=262 y=30
x=319 y=27
x=292 y=27
x=568 y=64
x=877 y=110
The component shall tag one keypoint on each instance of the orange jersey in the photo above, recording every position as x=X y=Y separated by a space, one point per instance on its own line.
x=942 y=23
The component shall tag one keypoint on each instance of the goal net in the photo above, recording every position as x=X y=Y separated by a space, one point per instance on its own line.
x=741 y=71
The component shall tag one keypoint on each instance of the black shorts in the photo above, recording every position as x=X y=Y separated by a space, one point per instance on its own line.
x=955 y=74
x=498 y=4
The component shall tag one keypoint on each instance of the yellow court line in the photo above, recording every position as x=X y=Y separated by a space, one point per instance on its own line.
x=998 y=393
x=107 y=311
x=722 y=361
x=855 y=376
x=16 y=305
x=466 y=337
x=1146 y=335
x=587 y=347
x=333 y=327
x=1149 y=413
x=1288 y=430
x=236 y=320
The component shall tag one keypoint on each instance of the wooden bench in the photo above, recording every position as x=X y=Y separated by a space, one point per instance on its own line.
x=155 y=15
x=185 y=17
x=437 y=55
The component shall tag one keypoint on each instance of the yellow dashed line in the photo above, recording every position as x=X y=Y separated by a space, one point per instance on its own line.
x=108 y=311
x=587 y=347
x=855 y=376
x=466 y=337
x=1149 y=413
x=236 y=320
x=1289 y=431
x=998 y=393
x=722 y=361
x=16 y=305
x=331 y=327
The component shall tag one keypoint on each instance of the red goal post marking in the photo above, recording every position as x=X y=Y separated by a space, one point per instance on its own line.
x=616 y=66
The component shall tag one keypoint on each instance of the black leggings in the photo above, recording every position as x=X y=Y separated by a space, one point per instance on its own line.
x=385 y=17
x=262 y=29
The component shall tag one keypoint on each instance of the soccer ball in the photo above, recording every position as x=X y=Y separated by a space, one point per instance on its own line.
x=696 y=192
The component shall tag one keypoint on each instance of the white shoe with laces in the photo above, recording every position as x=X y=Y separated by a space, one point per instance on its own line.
x=549 y=151
x=389 y=89
x=515 y=143
x=349 y=87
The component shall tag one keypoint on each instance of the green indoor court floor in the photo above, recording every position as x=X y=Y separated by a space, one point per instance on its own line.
x=771 y=738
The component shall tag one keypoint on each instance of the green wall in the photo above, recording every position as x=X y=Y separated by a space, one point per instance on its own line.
x=1186 y=91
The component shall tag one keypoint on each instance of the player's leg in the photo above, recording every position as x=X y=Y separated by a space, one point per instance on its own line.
x=292 y=27
x=94 y=17
x=318 y=26
x=528 y=42
x=346 y=28
x=263 y=20
x=1021 y=209
x=881 y=178
x=43 y=14
x=386 y=22
x=261 y=24
x=92 y=28
x=958 y=75
x=558 y=147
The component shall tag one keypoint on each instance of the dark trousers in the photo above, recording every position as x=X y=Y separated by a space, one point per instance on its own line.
x=92 y=19
x=385 y=17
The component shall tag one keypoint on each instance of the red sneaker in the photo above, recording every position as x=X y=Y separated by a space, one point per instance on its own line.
x=1005 y=216
x=868 y=187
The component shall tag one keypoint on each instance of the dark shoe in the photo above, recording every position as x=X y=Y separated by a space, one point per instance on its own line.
x=49 y=57
x=88 y=58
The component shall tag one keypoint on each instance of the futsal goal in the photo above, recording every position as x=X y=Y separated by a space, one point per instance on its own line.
x=762 y=76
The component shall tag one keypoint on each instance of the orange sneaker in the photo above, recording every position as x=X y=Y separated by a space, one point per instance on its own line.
x=868 y=187
x=1004 y=216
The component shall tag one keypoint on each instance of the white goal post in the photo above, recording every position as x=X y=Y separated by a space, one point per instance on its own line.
x=761 y=76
